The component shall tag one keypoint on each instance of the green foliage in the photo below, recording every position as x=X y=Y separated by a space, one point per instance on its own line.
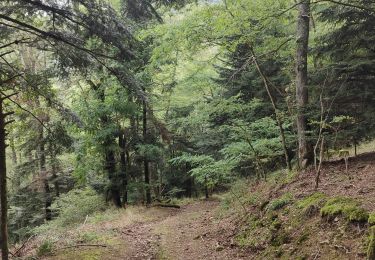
x=74 y=206
x=346 y=207
x=150 y=151
x=206 y=170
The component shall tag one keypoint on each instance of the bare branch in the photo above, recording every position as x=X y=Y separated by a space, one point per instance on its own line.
x=27 y=111
x=14 y=42
x=6 y=53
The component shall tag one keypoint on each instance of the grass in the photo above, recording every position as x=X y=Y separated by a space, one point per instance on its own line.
x=45 y=248
x=364 y=147
x=101 y=227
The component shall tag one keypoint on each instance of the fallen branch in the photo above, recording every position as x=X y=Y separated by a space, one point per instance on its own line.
x=82 y=245
x=22 y=246
x=167 y=205
x=347 y=251
x=84 y=223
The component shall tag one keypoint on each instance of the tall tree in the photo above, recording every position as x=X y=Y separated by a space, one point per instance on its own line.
x=303 y=31
x=3 y=186
x=146 y=162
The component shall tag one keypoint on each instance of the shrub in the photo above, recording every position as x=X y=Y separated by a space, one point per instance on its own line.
x=73 y=207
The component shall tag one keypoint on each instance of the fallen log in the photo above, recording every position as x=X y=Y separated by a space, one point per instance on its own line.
x=167 y=205
x=81 y=245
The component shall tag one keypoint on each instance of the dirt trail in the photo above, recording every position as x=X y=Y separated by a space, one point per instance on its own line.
x=191 y=232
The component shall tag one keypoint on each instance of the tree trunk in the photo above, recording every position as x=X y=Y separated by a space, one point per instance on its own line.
x=303 y=30
x=123 y=166
x=43 y=174
x=146 y=163
x=110 y=167
x=3 y=187
x=54 y=164
x=206 y=188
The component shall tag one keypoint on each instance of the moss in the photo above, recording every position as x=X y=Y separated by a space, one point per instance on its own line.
x=371 y=245
x=346 y=207
x=371 y=219
x=280 y=202
x=314 y=200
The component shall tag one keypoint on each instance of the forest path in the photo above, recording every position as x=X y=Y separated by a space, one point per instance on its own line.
x=191 y=232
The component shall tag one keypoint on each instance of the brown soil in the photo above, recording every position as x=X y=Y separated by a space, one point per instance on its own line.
x=186 y=233
x=358 y=183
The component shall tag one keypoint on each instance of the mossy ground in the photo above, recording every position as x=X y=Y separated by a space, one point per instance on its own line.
x=296 y=225
x=371 y=219
x=346 y=207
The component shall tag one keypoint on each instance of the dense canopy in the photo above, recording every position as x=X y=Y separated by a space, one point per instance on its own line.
x=108 y=103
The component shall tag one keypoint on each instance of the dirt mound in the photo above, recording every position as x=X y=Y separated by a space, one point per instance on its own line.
x=358 y=183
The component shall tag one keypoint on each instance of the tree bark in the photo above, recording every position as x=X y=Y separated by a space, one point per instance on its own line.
x=110 y=167
x=54 y=165
x=146 y=163
x=123 y=166
x=303 y=30
x=3 y=187
x=207 y=194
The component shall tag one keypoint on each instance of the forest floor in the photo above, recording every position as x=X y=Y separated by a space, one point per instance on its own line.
x=280 y=218
x=190 y=232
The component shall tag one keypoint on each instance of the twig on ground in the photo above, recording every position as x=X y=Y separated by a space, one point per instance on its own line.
x=22 y=246
x=82 y=245
x=167 y=205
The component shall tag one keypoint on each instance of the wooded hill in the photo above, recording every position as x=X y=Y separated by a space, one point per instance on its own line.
x=110 y=103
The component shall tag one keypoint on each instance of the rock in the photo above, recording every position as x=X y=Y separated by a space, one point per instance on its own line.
x=219 y=247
